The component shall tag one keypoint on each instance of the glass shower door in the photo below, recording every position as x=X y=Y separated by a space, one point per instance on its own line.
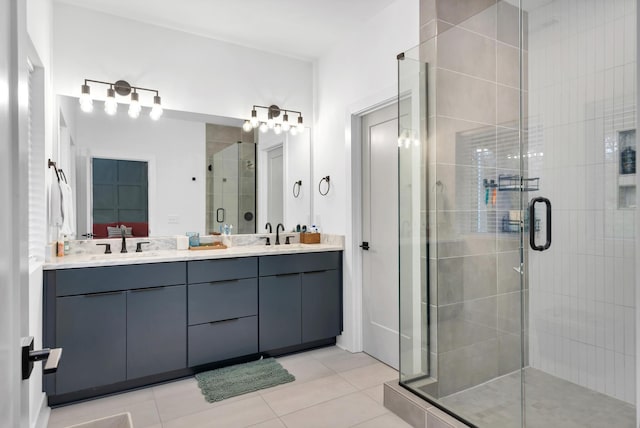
x=580 y=72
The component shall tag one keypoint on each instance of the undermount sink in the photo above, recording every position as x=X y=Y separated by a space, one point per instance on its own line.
x=118 y=255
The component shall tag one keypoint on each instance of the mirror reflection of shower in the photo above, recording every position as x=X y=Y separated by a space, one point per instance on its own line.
x=231 y=179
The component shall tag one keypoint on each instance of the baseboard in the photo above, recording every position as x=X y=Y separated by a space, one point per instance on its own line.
x=43 y=414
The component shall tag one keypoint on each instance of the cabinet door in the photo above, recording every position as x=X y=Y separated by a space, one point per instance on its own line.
x=279 y=311
x=156 y=330
x=321 y=305
x=91 y=330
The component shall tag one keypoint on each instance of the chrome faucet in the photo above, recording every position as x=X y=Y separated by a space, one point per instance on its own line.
x=278 y=233
x=123 y=230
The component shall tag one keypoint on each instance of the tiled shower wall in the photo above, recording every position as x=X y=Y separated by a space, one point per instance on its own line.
x=473 y=133
x=231 y=178
x=582 y=74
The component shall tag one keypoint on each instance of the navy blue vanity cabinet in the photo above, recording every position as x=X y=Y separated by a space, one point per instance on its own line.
x=321 y=305
x=116 y=325
x=156 y=330
x=223 y=309
x=300 y=299
x=280 y=311
x=91 y=329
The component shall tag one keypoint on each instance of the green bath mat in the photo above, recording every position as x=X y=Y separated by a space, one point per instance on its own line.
x=216 y=385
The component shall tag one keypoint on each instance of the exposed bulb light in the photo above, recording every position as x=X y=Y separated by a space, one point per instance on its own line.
x=286 y=126
x=247 y=126
x=254 y=119
x=86 y=103
x=272 y=112
x=156 y=110
x=134 y=106
x=123 y=89
x=110 y=104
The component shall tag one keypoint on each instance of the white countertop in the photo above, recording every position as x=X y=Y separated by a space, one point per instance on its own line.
x=160 y=256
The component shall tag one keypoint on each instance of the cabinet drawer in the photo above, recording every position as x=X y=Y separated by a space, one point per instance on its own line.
x=294 y=263
x=115 y=278
x=222 y=340
x=221 y=270
x=216 y=301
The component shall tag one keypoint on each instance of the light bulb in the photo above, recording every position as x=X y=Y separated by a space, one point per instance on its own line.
x=86 y=103
x=293 y=130
x=270 y=122
x=300 y=125
x=110 y=104
x=254 y=119
x=134 y=106
x=156 y=110
x=247 y=126
x=264 y=127
x=277 y=129
x=286 y=126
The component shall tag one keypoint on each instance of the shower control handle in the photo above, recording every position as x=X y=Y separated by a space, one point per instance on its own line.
x=532 y=224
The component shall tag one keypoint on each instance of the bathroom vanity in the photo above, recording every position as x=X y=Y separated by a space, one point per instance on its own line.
x=129 y=321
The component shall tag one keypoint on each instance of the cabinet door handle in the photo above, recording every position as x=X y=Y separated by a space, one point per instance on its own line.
x=287 y=274
x=221 y=321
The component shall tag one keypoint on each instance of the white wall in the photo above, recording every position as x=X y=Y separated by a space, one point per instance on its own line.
x=192 y=73
x=175 y=150
x=582 y=91
x=359 y=72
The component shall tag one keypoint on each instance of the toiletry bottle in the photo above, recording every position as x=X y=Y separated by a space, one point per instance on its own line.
x=66 y=245
x=60 y=246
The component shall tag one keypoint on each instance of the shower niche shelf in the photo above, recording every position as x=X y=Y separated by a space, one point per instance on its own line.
x=627 y=169
x=511 y=183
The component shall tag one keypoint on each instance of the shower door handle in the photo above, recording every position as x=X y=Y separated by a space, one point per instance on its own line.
x=532 y=224
x=218 y=217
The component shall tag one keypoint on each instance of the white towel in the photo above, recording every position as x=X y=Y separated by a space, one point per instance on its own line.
x=55 y=206
x=66 y=207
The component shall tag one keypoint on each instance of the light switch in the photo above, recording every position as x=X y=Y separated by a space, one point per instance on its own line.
x=174 y=219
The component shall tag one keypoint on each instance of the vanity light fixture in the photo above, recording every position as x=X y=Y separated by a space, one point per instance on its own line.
x=124 y=89
x=273 y=112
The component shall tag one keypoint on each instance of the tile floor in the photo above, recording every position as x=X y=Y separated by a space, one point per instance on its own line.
x=550 y=402
x=333 y=388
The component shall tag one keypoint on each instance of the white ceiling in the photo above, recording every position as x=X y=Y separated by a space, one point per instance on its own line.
x=300 y=28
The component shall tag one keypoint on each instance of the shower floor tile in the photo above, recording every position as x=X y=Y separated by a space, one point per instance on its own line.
x=550 y=402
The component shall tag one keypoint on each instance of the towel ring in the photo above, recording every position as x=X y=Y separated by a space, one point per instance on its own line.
x=50 y=164
x=328 y=185
x=296 y=188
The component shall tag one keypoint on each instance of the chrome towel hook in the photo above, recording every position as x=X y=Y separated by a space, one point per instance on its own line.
x=327 y=179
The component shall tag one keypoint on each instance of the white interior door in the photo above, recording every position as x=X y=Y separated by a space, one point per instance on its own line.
x=14 y=306
x=380 y=232
x=275 y=171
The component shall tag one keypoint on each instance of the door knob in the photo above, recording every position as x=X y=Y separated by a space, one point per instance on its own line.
x=365 y=246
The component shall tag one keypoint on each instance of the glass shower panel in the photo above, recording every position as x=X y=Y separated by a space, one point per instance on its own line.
x=460 y=284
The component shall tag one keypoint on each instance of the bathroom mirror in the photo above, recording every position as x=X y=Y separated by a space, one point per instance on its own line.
x=196 y=172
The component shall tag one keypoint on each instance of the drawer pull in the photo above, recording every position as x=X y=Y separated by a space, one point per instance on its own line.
x=139 y=290
x=101 y=294
x=287 y=274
